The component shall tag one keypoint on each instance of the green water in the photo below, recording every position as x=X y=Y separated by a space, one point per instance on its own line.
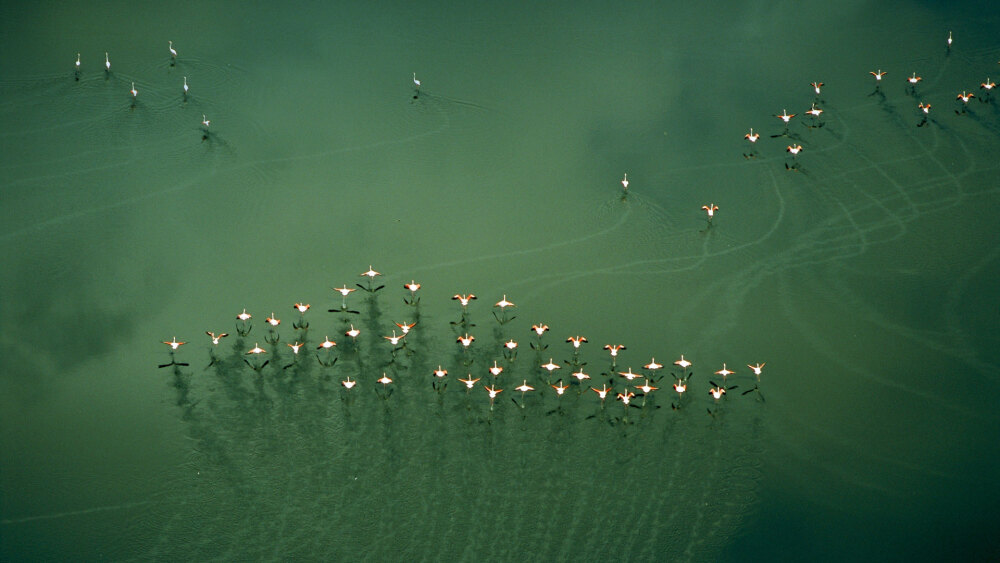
x=864 y=277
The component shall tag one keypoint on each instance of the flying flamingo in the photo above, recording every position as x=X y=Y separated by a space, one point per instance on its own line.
x=174 y=344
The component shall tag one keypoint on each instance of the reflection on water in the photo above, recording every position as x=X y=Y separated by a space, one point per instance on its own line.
x=859 y=269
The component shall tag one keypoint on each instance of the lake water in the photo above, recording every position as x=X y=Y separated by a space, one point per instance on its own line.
x=862 y=273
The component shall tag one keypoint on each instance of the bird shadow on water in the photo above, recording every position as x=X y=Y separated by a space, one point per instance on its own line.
x=269 y=433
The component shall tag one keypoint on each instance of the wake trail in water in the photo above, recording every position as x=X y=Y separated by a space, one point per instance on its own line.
x=71 y=513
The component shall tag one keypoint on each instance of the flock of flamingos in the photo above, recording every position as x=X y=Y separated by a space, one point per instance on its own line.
x=624 y=386
x=632 y=384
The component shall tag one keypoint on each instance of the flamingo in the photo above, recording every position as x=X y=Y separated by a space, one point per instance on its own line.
x=385 y=380
x=412 y=287
x=684 y=364
x=394 y=340
x=602 y=392
x=926 y=108
x=503 y=304
x=439 y=373
x=510 y=350
x=646 y=387
x=244 y=326
x=493 y=391
x=370 y=274
x=215 y=337
x=629 y=375
x=724 y=373
x=613 y=349
x=524 y=388
x=794 y=151
x=680 y=387
x=174 y=344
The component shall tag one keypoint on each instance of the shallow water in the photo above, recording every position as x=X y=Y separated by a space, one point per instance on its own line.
x=864 y=278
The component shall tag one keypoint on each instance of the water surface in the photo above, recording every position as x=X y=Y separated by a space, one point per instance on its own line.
x=864 y=278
